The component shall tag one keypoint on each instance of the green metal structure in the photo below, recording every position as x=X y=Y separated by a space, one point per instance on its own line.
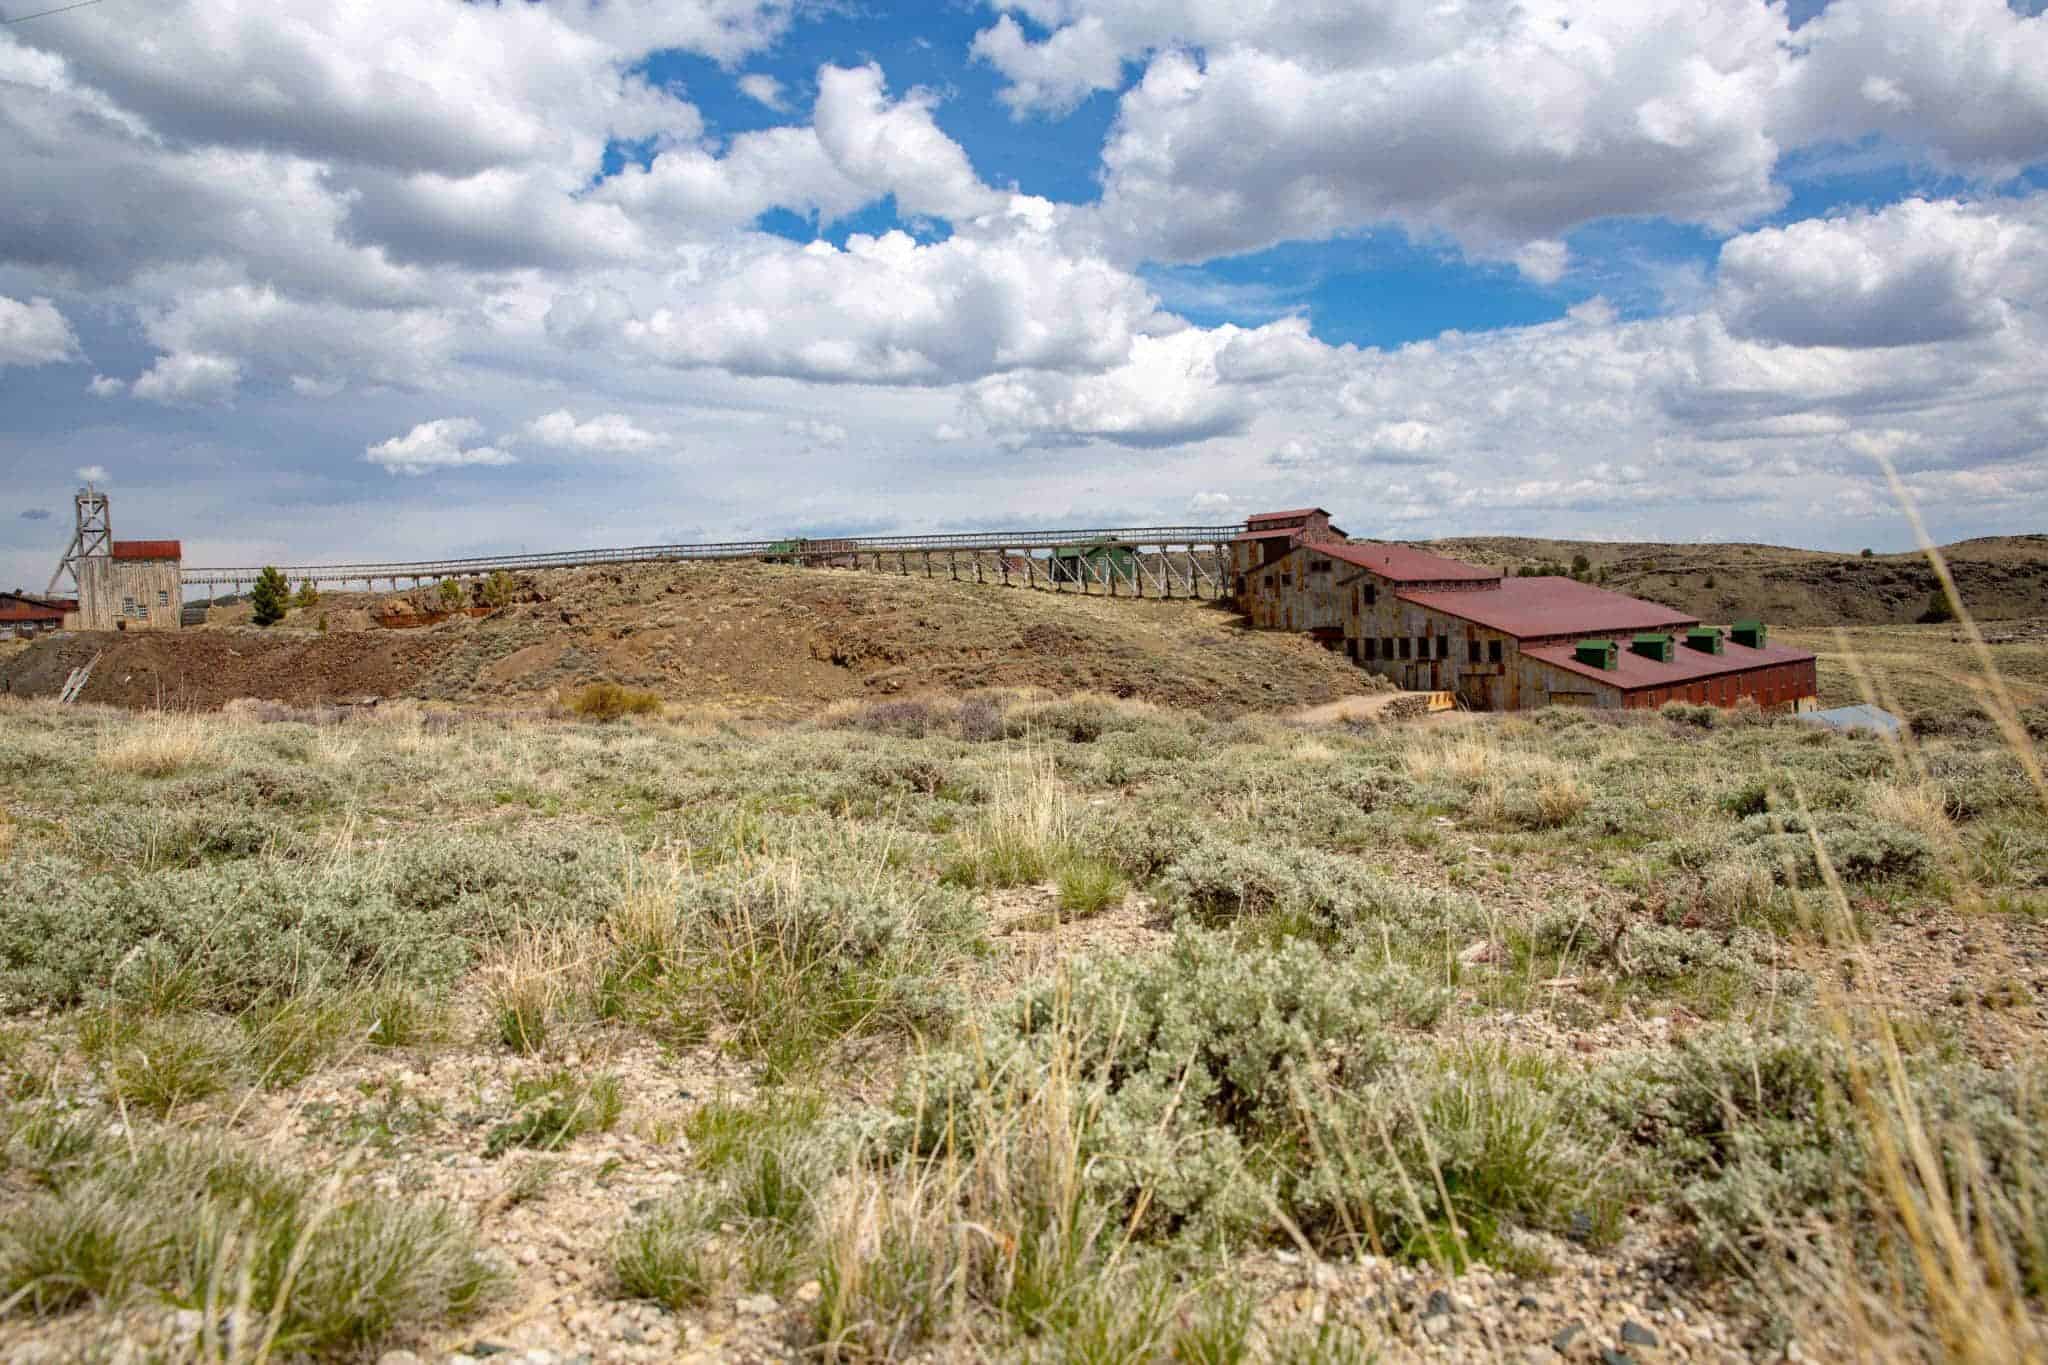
x=1092 y=562
x=1601 y=654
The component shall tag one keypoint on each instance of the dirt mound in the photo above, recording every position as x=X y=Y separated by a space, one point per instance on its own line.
x=2001 y=577
x=752 y=638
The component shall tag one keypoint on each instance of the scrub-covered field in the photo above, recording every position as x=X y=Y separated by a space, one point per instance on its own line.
x=1001 y=1026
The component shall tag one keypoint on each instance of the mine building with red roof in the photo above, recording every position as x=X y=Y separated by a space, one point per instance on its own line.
x=135 y=585
x=1430 y=623
x=22 y=614
x=1267 y=536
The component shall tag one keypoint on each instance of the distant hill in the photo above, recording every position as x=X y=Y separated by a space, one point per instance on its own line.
x=2001 y=577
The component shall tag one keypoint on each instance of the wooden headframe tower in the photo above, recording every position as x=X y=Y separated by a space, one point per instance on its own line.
x=92 y=536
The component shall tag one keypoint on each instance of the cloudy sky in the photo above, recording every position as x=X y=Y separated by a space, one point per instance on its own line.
x=319 y=279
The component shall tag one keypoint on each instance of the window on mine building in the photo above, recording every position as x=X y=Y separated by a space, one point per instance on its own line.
x=1422 y=646
x=1372 y=594
x=1370 y=652
x=1443 y=646
x=127 y=606
x=1472 y=651
x=1404 y=646
x=1493 y=651
x=1386 y=646
x=163 y=598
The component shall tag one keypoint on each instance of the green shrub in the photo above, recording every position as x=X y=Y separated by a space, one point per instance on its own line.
x=157 y=1063
x=667 y=1256
x=1217 y=881
x=1192 y=1067
x=186 y=1218
x=792 y=962
x=1087 y=887
x=608 y=701
x=553 y=1110
x=270 y=598
x=1860 y=848
x=1078 y=720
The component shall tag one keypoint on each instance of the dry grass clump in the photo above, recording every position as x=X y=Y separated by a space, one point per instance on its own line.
x=531 y=980
x=1025 y=830
x=606 y=701
x=1465 y=759
x=1917 y=806
x=158 y=744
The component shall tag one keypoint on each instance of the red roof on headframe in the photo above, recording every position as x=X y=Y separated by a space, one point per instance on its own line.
x=147 y=549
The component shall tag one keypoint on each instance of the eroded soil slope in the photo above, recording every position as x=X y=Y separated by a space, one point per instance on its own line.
x=751 y=637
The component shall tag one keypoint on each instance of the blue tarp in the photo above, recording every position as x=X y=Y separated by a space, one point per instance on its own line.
x=1855 y=718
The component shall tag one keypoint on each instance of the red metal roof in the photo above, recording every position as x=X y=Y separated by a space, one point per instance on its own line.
x=14 y=608
x=1532 y=608
x=147 y=549
x=1276 y=516
x=1405 y=564
x=1634 y=671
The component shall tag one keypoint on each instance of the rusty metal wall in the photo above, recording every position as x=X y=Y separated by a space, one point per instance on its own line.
x=1438 y=647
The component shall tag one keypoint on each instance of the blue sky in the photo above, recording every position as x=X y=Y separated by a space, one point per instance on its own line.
x=459 y=277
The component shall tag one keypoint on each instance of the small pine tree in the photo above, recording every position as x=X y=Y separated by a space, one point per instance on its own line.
x=1866 y=552
x=1938 y=609
x=1580 y=564
x=451 y=595
x=323 y=623
x=499 y=589
x=307 y=595
x=270 y=597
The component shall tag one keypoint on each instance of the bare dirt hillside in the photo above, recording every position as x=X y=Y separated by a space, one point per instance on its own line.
x=2001 y=577
x=744 y=637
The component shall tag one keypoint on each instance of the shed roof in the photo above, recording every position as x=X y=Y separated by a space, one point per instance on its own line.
x=1291 y=512
x=1405 y=564
x=147 y=549
x=1859 y=717
x=1633 y=671
x=1531 y=608
x=21 y=607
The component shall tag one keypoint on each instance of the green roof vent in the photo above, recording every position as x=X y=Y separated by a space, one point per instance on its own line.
x=1749 y=634
x=1705 y=639
x=1658 y=647
x=1598 y=653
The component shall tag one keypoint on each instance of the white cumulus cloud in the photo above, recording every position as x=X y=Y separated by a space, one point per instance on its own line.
x=34 y=333
x=611 y=432
x=764 y=90
x=189 y=377
x=1908 y=274
x=440 y=444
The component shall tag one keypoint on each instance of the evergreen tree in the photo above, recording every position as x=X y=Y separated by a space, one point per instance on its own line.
x=269 y=598
x=308 y=595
